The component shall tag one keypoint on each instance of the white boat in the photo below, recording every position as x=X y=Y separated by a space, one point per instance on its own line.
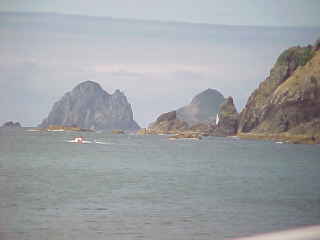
x=79 y=140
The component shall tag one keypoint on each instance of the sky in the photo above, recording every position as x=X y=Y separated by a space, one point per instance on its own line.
x=160 y=66
x=231 y=12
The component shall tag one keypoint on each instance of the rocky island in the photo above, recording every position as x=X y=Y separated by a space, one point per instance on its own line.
x=199 y=118
x=88 y=106
x=286 y=105
x=11 y=124
x=202 y=109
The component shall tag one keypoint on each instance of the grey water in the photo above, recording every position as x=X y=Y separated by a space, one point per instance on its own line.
x=148 y=187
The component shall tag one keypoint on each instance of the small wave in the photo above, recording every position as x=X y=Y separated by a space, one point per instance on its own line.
x=99 y=142
x=234 y=137
x=33 y=130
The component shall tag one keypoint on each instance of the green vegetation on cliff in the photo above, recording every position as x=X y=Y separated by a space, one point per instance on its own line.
x=287 y=103
x=297 y=56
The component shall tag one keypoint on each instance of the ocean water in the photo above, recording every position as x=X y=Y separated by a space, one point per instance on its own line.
x=148 y=187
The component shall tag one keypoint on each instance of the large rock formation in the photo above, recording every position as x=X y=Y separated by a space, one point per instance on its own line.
x=227 y=119
x=197 y=116
x=203 y=107
x=11 y=124
x=168 y=122
x=89 y=106
x=288 y=101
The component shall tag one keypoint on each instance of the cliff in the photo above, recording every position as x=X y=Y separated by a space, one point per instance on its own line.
x=88 y=106
x=203 y=107
x=227 y=119
x=288 y=101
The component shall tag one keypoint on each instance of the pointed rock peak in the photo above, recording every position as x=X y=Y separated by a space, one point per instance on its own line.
x=210 y=90
x=89 y=106
x=229 y=100
x=119 y=96
x=167 y=116
x=227 y=120
x=207 y=95
x=117 y=92
x=88 y=86
x=228 y=107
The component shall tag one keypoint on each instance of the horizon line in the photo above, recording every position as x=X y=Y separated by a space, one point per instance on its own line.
x=155 y=20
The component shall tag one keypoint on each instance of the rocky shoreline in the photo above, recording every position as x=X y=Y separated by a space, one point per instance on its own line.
x=285 y=107
x=61 y=128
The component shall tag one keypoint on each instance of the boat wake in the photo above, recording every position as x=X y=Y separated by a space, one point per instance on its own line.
x=99 y=142
x=84 y=141
x=75 y=141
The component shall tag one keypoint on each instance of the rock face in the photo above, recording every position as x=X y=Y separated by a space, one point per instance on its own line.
x=197 y=116
x=288 y=101
x=203 y=107
x=168 y=122
x=204 y=128
x=227 y=119
x=89 y=106
x=11 y=124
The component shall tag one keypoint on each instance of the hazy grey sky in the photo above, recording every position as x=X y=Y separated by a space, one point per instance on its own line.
x=159 y=66
x=231 y=12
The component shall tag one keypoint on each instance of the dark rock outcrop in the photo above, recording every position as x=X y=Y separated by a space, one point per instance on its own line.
x=205 y=129
x=117 y=132
x=11 y=124
x=288 y=101
x=200 y=114
x=186 y=135
x=89 y=106
x=58 y=128
x=203 y=107
x=227 y=119
x=168 y=122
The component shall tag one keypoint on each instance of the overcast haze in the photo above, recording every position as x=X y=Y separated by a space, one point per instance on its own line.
x=231 y=12
x=159 y=65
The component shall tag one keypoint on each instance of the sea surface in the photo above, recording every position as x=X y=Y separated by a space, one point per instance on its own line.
x=148 y=187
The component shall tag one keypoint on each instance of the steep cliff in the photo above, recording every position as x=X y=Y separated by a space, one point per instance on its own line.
x=89 y=106
x=227 y=119
x=289 y=99
x=203 y=107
